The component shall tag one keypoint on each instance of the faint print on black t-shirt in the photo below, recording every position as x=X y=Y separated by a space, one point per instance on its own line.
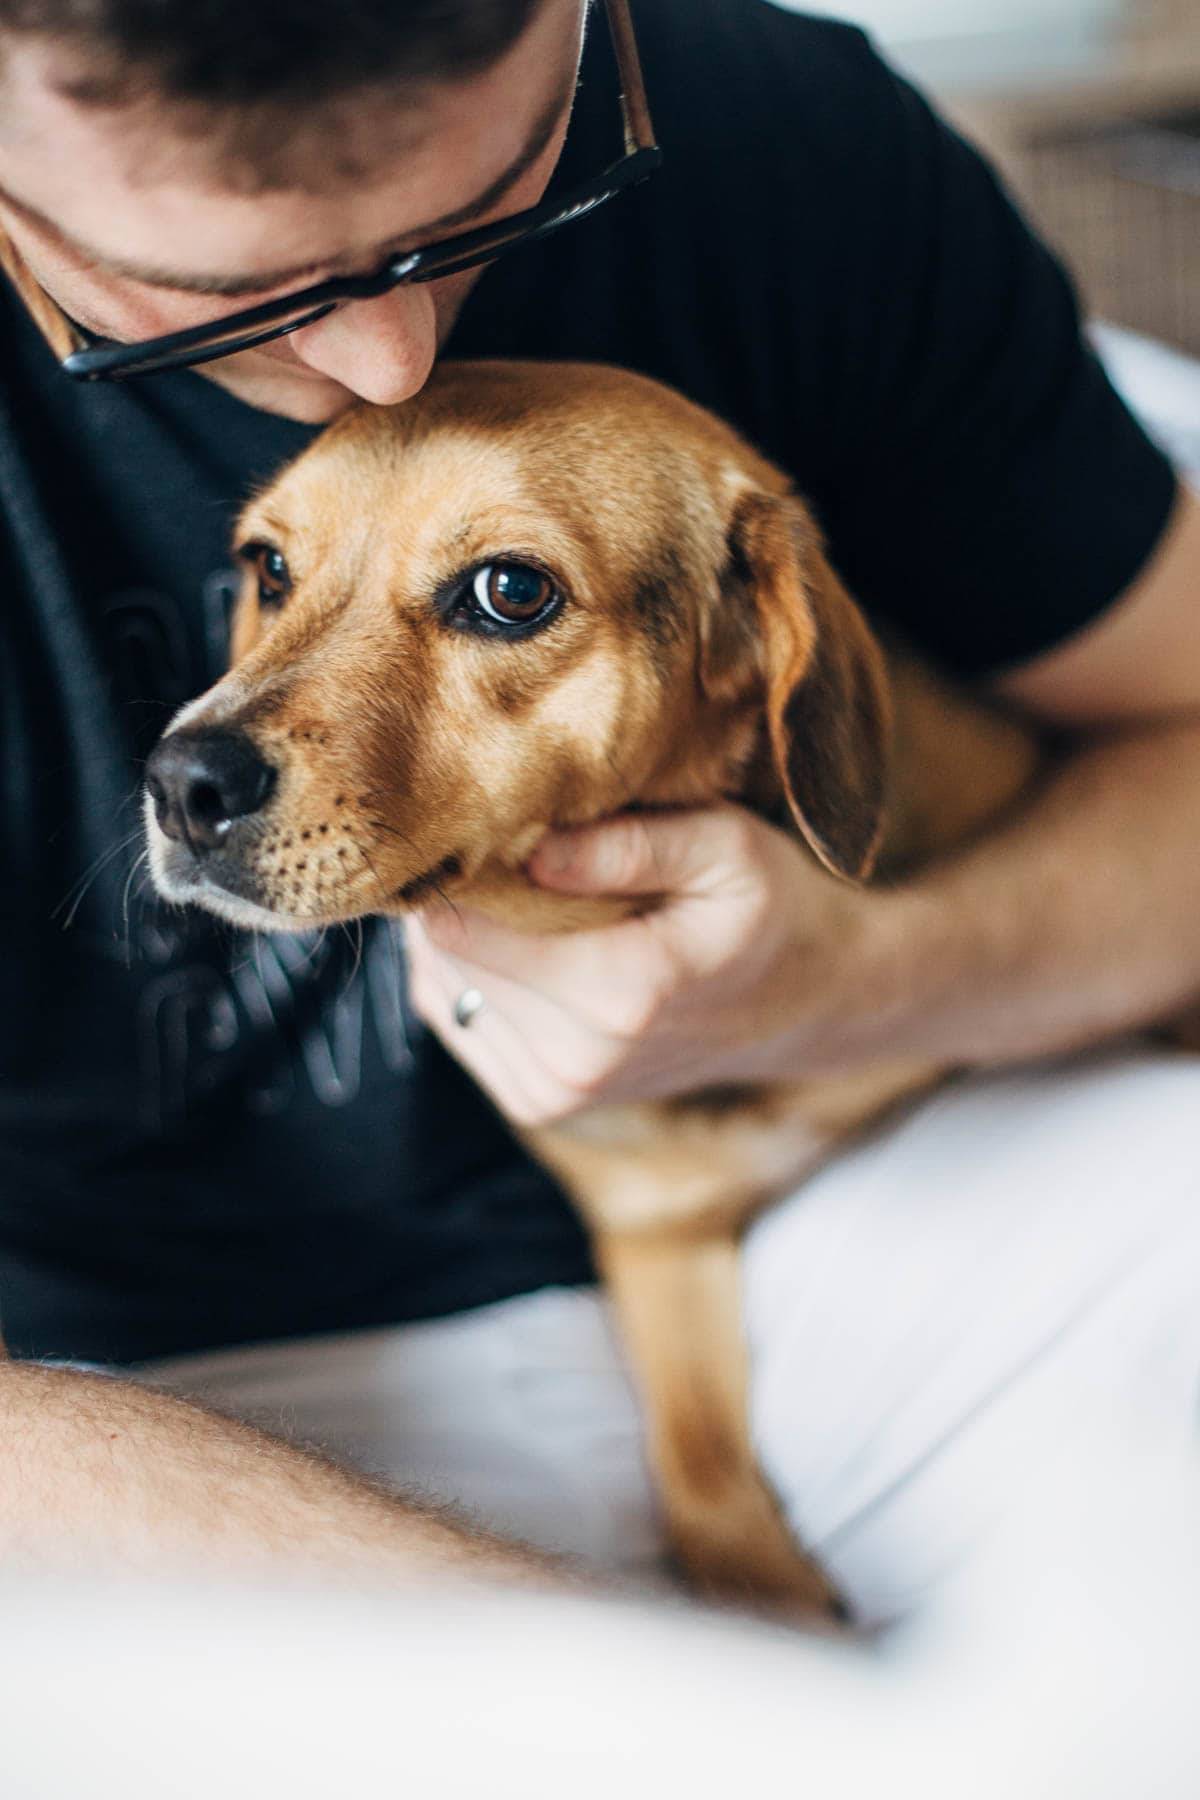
x=215 y=1005
x=283 y=1009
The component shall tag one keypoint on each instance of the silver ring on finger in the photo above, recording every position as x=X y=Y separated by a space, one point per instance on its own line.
x=468 y=1006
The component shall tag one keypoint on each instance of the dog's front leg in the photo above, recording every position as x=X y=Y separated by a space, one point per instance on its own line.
x=678 y=1300
x=666 y=1201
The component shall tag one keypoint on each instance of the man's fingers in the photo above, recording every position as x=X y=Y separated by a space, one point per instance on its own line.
x=490 y=1048
x=611 y=978
x=672 y=853
x=536 y=1061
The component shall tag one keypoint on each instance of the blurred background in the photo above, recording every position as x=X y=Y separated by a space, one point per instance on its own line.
x=1092 y=108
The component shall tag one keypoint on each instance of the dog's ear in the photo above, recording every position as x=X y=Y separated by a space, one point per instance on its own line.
x=828 y=699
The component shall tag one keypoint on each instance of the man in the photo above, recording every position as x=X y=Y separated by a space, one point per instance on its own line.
x=207 y=1143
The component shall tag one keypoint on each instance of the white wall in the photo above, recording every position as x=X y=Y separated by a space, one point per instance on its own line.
x=980 y=42
x=908 y=20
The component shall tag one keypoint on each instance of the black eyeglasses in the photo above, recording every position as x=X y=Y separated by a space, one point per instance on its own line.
x=104 y=360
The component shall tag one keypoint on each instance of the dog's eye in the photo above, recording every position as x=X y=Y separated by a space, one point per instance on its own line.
x=270 y=566
x=513 y=593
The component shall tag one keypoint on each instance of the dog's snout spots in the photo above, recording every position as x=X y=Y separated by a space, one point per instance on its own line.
x=202 y=782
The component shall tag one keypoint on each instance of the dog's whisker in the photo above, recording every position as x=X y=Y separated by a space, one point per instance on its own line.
x=435 y=888
x=375 y=875
x=78 y=889
x=77 y=893
x=369 y=860
x=394 y=832
x=446 y=899
x=314 y=949
x=354 y=933
x=140 y=862
x=134 y=796
x=135 y=888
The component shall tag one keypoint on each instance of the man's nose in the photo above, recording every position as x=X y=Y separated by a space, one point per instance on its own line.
x=382 y=350
x=202 y=781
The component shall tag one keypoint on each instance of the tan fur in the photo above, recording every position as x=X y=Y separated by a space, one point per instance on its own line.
x=705 y=650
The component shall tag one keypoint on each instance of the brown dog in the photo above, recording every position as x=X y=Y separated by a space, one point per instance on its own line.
x=533 y=596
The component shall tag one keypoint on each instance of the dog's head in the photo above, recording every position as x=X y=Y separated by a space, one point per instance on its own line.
x=532 y=596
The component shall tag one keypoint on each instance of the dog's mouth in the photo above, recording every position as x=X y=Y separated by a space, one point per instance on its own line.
x=218 y=881
x=274 y=873
x=433 y=881
x=225 y=886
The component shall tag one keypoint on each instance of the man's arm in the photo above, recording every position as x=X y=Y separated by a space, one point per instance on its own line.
x=1141 y=659
x=1078 y=918
x=99 y=1473
x=1082 y=916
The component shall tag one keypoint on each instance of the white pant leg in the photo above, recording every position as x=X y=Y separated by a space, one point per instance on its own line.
x=520 y=1414
x=935 y=1314
x=921 y=1315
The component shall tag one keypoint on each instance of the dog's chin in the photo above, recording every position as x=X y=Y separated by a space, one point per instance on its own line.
x=247 y=915
x=183 y=880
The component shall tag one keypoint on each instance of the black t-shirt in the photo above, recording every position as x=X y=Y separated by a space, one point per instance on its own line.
x=207 y=1138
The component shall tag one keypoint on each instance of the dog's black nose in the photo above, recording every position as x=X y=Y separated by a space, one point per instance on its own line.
x=201 y=781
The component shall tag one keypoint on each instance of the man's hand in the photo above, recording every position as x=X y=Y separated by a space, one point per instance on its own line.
x=750 y=967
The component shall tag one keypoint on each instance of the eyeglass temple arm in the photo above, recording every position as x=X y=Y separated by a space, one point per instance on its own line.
x=635 y=109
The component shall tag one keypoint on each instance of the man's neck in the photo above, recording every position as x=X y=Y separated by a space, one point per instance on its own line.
x=53 y=324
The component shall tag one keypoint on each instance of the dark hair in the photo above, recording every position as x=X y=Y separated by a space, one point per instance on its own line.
x=274 y=53
x=280 y=93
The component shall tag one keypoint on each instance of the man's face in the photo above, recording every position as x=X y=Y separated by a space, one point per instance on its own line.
x=131 y=227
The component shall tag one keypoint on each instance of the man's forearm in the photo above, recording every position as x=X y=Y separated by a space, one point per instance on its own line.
x=98 y=1472
x=1076 y=919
